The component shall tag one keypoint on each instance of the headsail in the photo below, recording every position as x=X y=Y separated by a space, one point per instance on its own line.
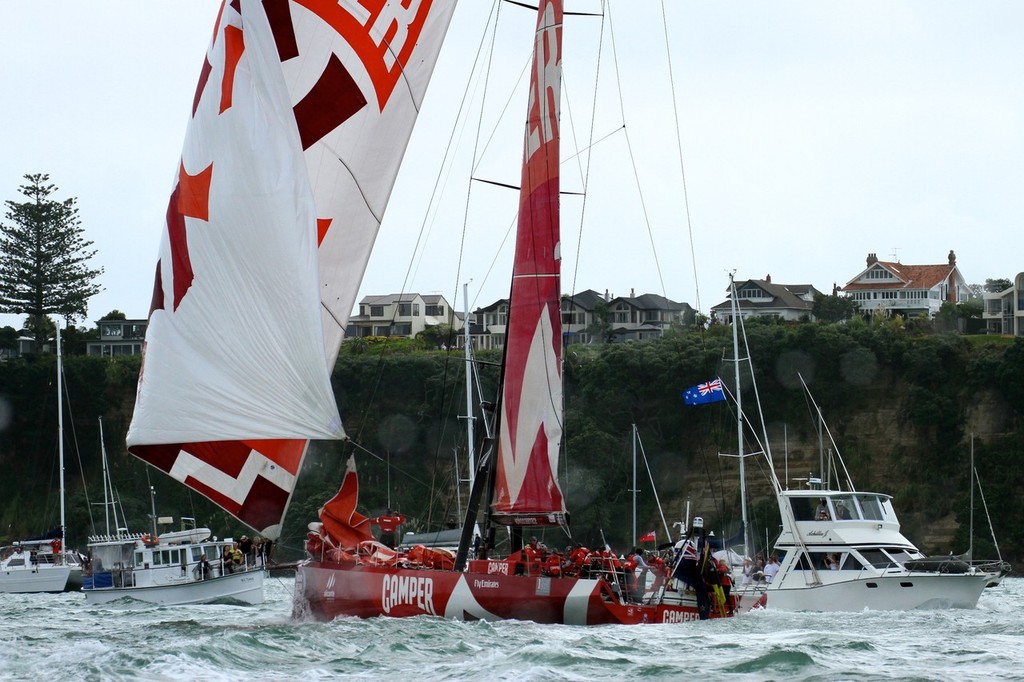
x=526 y=485
x=299 y=123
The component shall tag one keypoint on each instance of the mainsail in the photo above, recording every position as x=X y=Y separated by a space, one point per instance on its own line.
x=299 y=123
x=530 y=432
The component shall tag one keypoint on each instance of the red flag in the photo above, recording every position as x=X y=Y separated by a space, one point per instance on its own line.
x=649 y=537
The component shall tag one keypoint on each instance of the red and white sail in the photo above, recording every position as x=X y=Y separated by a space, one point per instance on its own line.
x=299 y=123
x=526 y=485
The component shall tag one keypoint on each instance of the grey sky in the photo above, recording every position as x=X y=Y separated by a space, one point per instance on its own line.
x=812 y=133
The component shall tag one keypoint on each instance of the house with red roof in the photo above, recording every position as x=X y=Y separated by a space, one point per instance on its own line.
x=893 y=288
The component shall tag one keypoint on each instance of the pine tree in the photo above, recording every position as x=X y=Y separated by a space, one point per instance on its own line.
x=44 y=258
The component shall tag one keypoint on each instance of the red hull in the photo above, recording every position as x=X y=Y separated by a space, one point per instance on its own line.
x=325 y=591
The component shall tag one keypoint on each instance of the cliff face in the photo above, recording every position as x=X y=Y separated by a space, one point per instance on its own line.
x=901 y=408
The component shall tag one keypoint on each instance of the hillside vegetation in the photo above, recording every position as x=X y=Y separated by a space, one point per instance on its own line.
x=901 y=404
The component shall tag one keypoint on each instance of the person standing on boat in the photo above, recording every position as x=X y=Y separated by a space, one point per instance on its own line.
x=389 y=523
x=245 y=546
x=692 y=554
x=204 y=568
x=771 y=568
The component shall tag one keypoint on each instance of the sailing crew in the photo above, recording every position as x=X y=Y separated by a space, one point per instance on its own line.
x=389 y=523
x=692 y=555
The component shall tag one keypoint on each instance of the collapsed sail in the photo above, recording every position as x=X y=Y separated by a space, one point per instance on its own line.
x=299 y=123
x=530 y=433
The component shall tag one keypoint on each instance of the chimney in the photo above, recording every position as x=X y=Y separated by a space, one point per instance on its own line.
x=633 y=295
x=607 y=297
x=768 y=278
x=952 y=257
x=872 y=259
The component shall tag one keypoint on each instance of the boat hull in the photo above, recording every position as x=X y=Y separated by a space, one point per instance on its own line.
x=245 y=587
x=894 y=592
x=43 y=578
x=324 y=591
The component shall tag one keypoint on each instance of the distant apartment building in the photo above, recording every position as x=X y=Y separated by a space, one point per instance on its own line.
x=118 y=337
x=893 y=288
x=1004 y=310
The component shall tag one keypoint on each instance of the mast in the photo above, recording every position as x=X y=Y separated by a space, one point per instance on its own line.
x=471 y=466
x=106 y=500
x=60 y=433
x=734 y=296
x=634 y=485
x=972 y=473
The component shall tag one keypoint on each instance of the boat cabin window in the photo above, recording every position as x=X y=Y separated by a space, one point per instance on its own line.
x=845 y=509
x=803 y=508
x=822 y=561
x=877 y=558
x=900 y=555
x=871 y=507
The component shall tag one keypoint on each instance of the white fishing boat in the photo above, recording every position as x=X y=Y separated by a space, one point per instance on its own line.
x=44 y=564
x=176 y=567
x=841 y=549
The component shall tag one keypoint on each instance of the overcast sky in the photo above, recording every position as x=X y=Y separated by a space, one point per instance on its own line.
x=811 y=133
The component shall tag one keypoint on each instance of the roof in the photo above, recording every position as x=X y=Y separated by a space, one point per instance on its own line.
x=909 y=276
x=782 y=296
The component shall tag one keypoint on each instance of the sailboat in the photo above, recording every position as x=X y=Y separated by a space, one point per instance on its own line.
x=44 y=564
x=841 y=549
x=299 y=124
x=350 y=574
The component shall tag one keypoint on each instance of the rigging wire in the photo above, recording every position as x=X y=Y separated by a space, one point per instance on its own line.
x=679 y=148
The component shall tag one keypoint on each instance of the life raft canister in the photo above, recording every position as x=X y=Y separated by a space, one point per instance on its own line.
x=150 y=541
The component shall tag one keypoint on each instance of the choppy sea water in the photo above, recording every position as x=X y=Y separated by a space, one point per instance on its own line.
x=61 y=637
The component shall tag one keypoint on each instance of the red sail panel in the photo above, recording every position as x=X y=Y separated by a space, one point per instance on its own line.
x=301 y=117
x=342 y=523
x=526 y=485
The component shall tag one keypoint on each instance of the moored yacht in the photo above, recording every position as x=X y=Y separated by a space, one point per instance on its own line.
x=178 y=567
x=843 y=551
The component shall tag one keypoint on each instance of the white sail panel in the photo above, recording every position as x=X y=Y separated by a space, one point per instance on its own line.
x=301 y=117
x=235 y=350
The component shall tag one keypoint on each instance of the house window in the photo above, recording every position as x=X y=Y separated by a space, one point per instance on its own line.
x=435 y=310
x=408 y=309
x=879 y=273
x=376 y=311
x=111 y=330
x=499 y=317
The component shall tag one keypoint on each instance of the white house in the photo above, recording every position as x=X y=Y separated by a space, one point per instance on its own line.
x=401 y=315
x=907 y=290
x=1004 y=310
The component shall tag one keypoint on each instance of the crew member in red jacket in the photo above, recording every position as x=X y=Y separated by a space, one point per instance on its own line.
x=389 y=523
